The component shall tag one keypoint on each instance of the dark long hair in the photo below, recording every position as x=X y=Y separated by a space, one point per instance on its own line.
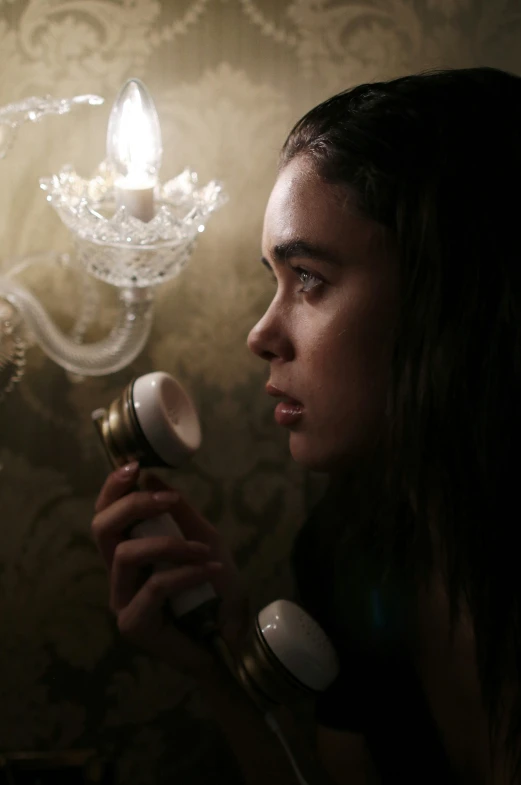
x=436 y=158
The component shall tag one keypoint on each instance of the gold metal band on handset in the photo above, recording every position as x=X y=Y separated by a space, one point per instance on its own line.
x=121 y=434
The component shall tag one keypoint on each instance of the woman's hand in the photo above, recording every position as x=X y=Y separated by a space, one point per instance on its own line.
x=137 y=595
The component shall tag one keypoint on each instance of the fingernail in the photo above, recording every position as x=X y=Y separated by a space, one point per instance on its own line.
x=128 y=471
x=165 y=497
x=198 y=547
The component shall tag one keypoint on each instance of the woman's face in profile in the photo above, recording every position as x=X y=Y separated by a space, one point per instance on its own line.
x=327 y=333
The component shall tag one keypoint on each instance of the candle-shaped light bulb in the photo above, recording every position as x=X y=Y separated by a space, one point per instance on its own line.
x=134 y=148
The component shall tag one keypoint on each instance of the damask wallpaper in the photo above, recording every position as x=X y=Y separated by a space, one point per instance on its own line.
x=229 y=78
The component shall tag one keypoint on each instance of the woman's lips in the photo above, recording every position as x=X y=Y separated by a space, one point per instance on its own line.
x=288 y=413
x=289 y=410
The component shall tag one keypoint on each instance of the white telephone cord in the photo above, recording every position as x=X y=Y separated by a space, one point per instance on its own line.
x=275 y=727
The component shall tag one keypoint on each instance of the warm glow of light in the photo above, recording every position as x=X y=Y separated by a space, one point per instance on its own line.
x=134 y=135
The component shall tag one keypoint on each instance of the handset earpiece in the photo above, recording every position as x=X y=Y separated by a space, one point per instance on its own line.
x=153 y=422
x=285 y=654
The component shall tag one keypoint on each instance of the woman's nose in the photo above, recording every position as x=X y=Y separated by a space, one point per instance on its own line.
x=269 y=339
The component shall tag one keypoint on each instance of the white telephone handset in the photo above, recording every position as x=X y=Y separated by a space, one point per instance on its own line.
x=285 y=652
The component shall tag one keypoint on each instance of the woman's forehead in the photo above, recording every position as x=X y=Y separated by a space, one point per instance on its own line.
x=304 y=206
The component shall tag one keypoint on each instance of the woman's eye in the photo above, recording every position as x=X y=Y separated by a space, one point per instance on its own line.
x=309 y=281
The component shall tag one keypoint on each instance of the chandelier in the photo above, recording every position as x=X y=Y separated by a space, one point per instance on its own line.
x=128 y=229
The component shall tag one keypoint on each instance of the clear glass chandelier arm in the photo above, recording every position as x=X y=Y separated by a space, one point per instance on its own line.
x=90 y=300
x=88 y=309
x=32 y=109
x=18 y=265
x=123 y=344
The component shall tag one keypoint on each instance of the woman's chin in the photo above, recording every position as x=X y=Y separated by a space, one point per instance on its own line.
x=313 y=455
x=333 y=456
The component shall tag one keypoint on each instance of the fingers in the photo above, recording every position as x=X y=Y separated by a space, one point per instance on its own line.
x=117 y=484
x=144 y=612
x=131 y=557
x=193 y=525
x=110 y=524
x=121 y=481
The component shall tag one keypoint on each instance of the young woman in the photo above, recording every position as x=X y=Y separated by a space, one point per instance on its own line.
x=394 y=347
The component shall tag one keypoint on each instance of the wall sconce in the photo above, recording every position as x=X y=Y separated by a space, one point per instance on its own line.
x=129 y=230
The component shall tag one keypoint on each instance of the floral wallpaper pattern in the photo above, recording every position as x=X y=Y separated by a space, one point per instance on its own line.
x=229 y=78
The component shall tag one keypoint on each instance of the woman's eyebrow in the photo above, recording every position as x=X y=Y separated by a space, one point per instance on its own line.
x=301 y=249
